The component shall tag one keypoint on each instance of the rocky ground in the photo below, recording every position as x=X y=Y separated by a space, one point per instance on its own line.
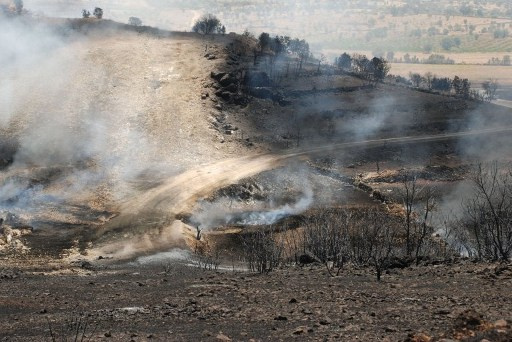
x=456 y=300
x=185 y=97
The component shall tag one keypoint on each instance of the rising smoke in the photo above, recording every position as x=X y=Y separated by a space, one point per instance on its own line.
x=69 y=142
x=223 y=212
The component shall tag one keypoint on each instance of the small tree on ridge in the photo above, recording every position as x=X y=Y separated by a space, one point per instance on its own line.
x=98 y=13
x=208 y=24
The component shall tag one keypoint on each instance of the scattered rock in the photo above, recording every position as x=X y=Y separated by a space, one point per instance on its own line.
x=300 y=330
x=443 y=312
x=396 y=262
x=230 y=127
x=222 y=337
x=225 y=95
x=82 y=264
x=325 y=321
x=501 y=269
x=306 y=311
x=210 y=56
x=216 y=75
x=227 y=80
x=233 y=88
x=468 y=319
x=306 y=259
x=501 y=324
x=134 y=310
x=9 y=274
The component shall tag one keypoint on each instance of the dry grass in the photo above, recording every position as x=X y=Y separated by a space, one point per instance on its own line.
x=475 y=73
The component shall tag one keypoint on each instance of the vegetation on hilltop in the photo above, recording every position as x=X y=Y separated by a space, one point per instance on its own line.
x=208 y=24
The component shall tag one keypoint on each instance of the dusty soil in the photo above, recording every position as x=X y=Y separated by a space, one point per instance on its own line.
x=163 y=89
x=174 y=302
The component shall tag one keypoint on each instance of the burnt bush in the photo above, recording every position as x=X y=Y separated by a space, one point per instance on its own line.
x=262 y=250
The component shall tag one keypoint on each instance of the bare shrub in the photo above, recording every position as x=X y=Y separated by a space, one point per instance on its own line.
x=424 y=230
x=458 y=239
x=262 y=250
x=409 y=193
x=326 y=237
x=419 y=204
x=364 y=237
x=206 y=255
x=374 y=240
x=74 y=328
x=486 y=228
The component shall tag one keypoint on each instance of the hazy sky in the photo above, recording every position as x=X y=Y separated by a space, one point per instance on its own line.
x=330 y=26
x=181 y=14
x=115 y=9
x=284 y=17
x=164 y=14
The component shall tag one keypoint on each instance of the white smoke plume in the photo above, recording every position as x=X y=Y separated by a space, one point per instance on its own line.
x=67 y=142
x=293 y=191
x=274 y=215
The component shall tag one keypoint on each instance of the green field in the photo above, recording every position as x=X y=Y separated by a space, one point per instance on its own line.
x=484 y=43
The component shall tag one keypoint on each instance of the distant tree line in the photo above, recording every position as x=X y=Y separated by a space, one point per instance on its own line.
x=432 y=59
x=449 y=9
x=458 y=86
x=373 y=70
x=497 y=61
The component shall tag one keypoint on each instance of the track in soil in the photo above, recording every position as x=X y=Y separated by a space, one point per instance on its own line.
x=154 y=213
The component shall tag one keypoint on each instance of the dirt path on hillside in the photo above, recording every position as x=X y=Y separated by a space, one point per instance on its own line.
x=122 y=104
x=178 y=195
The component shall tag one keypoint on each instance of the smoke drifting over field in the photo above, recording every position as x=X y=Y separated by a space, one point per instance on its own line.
x=75 y=139
x=59 y=141
x=227 y=211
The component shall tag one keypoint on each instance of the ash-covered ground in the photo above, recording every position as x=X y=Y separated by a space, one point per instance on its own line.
x=112 y=194
x=169 y=301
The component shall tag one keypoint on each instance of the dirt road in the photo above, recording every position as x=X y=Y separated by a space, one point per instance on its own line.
x=178 y=195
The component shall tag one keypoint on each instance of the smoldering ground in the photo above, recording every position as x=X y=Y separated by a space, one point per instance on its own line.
x=273 y=195
x=264 y=200
x=65 y=142
x=93 y=144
